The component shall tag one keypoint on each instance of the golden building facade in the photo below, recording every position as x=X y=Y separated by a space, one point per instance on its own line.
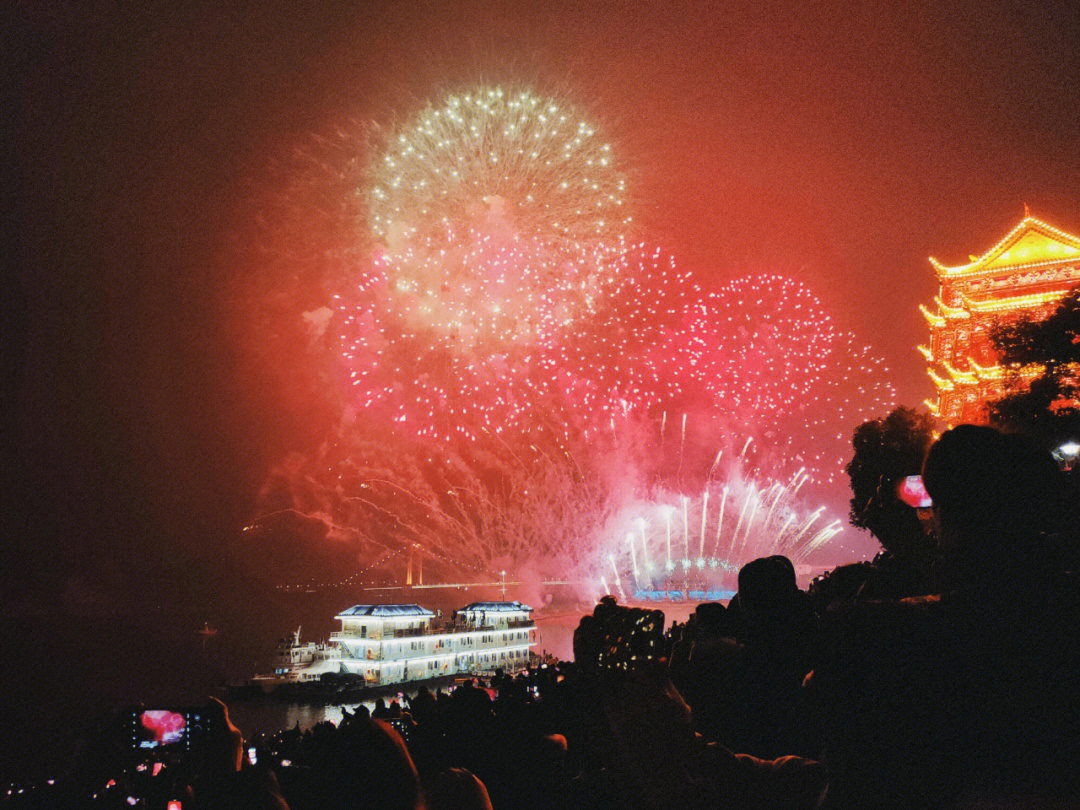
x=1025 y=274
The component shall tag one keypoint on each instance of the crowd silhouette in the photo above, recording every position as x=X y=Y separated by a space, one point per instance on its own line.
x=945 y=673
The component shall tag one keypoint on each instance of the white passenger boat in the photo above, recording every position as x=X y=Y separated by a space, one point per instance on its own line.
x=395 y=644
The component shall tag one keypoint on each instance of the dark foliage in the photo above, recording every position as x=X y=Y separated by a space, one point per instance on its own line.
x=1053 y=341
x=1049 y=409
x=887 y=450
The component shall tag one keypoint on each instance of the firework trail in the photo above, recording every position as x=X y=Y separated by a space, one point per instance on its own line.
x=521 y=504
x=706 y=550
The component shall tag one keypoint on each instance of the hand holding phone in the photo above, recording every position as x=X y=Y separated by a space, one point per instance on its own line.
x=225 y=743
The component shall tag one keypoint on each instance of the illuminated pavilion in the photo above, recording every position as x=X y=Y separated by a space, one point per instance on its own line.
x=1025 y=274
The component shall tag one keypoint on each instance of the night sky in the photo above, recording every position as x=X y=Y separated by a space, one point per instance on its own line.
x=840 y=143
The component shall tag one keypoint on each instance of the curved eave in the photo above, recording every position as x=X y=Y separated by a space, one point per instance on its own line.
x=999 y=372
x=932 y=319
x=990 y=374
x=1027 y=373
x=950 y=312
x=940 y=383
x=975 y=272
x=926 y=353
x=932 y=407
x=993 y=271
x=1017 y=302
x=963 y=377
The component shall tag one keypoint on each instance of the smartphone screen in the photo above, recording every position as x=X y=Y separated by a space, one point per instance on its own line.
x=166 y=728
x=912 y=491
x=253 y=756
x=402 y=728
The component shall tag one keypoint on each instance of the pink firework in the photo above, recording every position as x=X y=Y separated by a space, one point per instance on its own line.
x=493 y=356
x=759 y=344
x=766 y=359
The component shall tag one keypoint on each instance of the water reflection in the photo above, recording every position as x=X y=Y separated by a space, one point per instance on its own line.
x=270 y=716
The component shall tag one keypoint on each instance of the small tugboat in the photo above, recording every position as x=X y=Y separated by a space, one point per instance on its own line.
x=296 y=662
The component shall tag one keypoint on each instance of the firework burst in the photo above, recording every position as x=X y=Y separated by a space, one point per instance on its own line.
x=497 y=160
x=762 y=350
x=493 y=213
x=584 y=371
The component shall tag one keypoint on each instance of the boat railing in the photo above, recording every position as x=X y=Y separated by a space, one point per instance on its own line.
x=409 y=632
x=416 y=632
x=512 y=624
x=404 y=632
x=342 y=635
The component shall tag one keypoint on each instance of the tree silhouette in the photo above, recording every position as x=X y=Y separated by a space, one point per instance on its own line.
x=886 y=451
x=1049 y=408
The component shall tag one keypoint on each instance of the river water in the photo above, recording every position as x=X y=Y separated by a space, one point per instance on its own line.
x=63 y=675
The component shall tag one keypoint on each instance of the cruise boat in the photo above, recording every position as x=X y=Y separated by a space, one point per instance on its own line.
x=395 y=644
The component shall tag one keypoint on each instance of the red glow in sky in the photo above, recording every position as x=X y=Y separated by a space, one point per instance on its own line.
x=162 y=362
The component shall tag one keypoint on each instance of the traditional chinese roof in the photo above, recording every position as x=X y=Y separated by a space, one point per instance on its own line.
x=1032 y=242
x=999 y=372
x=385 y=610
x=496 y=607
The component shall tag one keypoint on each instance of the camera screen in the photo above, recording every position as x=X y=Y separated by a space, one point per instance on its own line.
x=159 y=728
x=912 y=491
x=633 y=639
x=402 y=728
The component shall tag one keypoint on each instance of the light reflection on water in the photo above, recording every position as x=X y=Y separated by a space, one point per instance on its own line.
x=270 y=716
